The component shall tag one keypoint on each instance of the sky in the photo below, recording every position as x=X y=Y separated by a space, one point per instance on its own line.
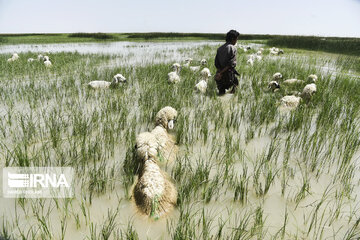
x=286 y=17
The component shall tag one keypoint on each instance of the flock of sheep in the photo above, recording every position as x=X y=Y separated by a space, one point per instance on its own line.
x=201 y=86
x=154 y=193
x=294 y=100
x=40 y=58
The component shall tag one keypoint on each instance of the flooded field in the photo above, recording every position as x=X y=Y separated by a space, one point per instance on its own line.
x=246 y=168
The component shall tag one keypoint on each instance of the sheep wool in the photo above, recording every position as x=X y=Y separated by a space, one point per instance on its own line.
x=201 y=86
x=309 y=90
x=293 y=81
x=153 y=193
x=47 y=63
x=290 y=101
x=146 y=146
x=195 y=68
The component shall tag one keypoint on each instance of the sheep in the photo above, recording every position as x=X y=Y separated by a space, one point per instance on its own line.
x=47 y=63
x=120 y=78
x=276 y=51
x=293 y=81
x=203 y=62
x=258 y=58
x=46 y=58
x=165 y=119
x=195 y=68
x=187 y=62
x=13 y=58
x=176 y=67
x=308 y=91
x=40 y=58
x=173 y=77
x=250 y=62
x=274 y=86
x=291 y=101
x=312 y=78
x=277 y=76
x=294 y=100
x=98 y=84
x=154 y=194
x=30 y=60
x=259 y=53
x=201 y=86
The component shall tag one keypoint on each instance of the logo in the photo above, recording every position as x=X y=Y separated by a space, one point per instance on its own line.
x=42 y=182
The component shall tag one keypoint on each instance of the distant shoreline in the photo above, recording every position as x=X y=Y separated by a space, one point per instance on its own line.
x=349 y=46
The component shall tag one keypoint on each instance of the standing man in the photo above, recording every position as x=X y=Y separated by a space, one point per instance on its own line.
x=225 y=63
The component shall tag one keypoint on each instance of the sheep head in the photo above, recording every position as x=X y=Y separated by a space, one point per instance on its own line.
x=273 y=85
x=166 y=117
x=119 y=78
x=203 y=62
x=176 y=67
x=205 y=73
x=277 y=76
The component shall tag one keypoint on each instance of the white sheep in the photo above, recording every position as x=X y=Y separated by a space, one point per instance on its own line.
x=250 y=61
x=312 y=78
x=13 y=58
x=203 y=62
x=46 y=58
x=195 y=68
x=308 y=91
x=30 y=60
x=201 y=86
x=154 y=193
x=47 y=63
x=40 y=58
x=293 y=81
x=277 y=76
x=120 y=78
x=290 y=101
x=187 y=62
x=293 y=101
x=165 y=120
x=274 y=86
x=99 y=84
x=176 y=67
x=173 y=77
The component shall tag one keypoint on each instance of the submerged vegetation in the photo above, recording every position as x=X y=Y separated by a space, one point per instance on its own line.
x=246 y=169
